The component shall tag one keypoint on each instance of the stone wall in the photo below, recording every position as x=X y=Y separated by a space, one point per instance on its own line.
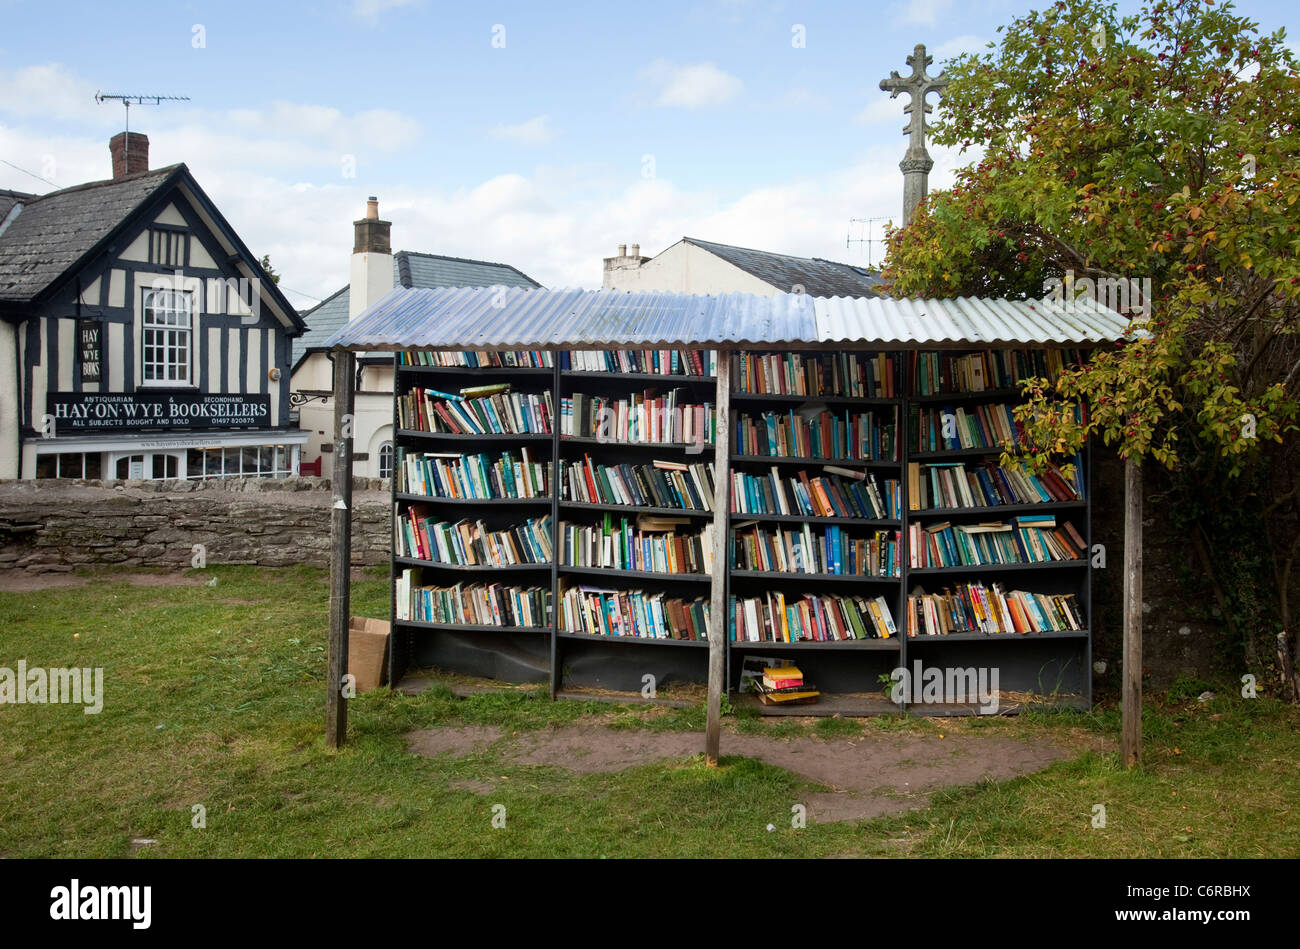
x=1174 y=642
x=57 y=525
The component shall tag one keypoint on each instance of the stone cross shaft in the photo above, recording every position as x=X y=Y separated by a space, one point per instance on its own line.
x=916 y=164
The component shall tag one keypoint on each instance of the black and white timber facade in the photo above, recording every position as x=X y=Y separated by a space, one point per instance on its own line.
x=139 y=337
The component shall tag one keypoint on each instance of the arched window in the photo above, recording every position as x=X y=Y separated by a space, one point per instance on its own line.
x=386 y=460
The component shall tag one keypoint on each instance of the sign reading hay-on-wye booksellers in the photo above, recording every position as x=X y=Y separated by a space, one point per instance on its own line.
x=118 y=411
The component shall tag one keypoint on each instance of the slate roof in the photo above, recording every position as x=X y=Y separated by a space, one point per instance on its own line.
x=817 y=276
x=54 y=231
x=410 y=270
x=8 y=199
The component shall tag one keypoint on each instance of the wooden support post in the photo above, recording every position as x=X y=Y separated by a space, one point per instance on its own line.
x=718 y=592
x=1131 y=697
x=336 y=707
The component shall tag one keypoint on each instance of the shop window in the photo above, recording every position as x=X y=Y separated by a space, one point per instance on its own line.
x=166 y=331
x=69 y=465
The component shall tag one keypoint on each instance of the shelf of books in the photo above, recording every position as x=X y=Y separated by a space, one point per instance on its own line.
x=474 y=514
x=816 y=516
x=635 y=518
x=998 y=566
x=554 y=519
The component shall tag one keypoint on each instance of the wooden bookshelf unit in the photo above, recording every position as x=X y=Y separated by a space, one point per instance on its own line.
x=841 y=463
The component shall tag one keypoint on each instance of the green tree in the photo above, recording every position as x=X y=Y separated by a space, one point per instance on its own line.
x=270 y=271
x=1162 y=145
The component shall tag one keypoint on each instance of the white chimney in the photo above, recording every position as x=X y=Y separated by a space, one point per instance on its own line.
x=372 y=260
x=622 y=250
x=636 y=250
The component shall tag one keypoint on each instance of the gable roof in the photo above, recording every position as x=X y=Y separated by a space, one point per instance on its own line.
x=54 y=231
x=410 y=270
x=54 y=235
x=817 y=276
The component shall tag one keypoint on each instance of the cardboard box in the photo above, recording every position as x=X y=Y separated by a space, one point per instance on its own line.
x=368 y=652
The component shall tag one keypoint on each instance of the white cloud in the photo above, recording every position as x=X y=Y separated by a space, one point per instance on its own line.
x=801 y=98
x=369 y=10
x=690 y=86
x=920 y=12
x=273 y=171
x=535 y=131
x=967 y=43
x=51 y=92
x=881 y=108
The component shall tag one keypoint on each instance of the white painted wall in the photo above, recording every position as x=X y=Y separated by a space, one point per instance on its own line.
x=371 y=277
x=686 y=268
x=9 y=365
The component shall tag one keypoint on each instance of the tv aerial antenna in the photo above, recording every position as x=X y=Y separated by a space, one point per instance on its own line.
x=867 y=226
x=126 y=100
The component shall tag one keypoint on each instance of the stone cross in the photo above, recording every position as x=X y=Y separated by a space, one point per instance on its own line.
x=916 y=164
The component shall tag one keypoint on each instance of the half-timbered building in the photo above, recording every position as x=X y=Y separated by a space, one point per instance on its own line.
x=139 y=336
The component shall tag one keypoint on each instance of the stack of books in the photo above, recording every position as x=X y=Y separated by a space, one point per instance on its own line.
x=784 y=685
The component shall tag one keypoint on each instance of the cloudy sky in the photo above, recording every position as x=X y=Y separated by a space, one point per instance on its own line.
x=537 y=134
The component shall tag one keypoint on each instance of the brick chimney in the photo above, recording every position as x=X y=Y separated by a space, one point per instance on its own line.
x=130 y=151
x=372 y=260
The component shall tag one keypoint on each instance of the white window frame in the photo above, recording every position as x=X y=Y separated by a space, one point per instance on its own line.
x=146 y=302
x=379 y=459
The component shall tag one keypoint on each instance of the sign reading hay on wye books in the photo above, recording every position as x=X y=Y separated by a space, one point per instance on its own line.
x=129 y=411
x=89 y=348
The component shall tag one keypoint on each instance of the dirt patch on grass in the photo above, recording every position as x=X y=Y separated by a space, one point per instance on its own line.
x=28 y=581
x=176 y=579
x=868 y=775
x=589 y=749
x=20 y=581
x=478 y=787
x=458 y=741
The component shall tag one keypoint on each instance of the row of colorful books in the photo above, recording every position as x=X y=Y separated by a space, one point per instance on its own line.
x=646 y=417
x=472 y=477
x=816 y=432
x=838 y=493
x=633 y=613
x=423 y=536
x=946 y=428
x=461 y=359
x=1027 y=539
x=932 y=372
x=665 y=484
x=652 y=545
x=660 y=362
x=988 y=484
x=855 y=375
x=822 y=550
x=777 y=618
x=976 y=608
x=480 y=410
x=473 y=604
x=935 y=373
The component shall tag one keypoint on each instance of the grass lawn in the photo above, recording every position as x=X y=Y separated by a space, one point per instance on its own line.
x=214 y=696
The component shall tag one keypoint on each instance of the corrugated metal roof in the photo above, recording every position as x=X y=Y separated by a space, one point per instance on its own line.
x=410 y=269
x=505 y=319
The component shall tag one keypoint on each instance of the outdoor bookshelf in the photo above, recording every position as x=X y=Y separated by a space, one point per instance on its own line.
x=856 y=412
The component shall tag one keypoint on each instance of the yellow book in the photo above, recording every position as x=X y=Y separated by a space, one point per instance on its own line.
x=777 y=673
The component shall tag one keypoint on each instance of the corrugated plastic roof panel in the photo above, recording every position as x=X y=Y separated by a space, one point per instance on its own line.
x=498 y=318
